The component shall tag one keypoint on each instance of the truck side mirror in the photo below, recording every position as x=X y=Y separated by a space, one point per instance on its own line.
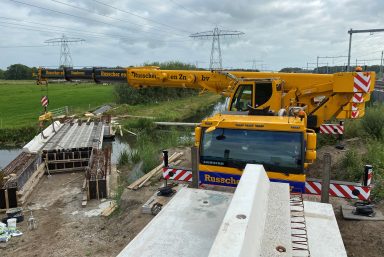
x=310 y=154
x=311 y=141
x=197 y=136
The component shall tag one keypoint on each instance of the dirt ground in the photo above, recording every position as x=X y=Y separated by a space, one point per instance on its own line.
x=67 y=229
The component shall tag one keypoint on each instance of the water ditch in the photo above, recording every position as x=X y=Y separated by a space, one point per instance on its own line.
x=7 y=155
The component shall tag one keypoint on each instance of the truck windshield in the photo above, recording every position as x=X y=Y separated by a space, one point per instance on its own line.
x=277 y=151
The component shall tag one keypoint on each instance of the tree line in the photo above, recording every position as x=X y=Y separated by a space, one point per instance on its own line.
x=18 y=72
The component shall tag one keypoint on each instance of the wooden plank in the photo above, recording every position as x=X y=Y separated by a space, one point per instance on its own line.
x=97 y=189
x=85 y=198
x=109 y=210
x=87 y=191
x=134 y=116
x=84 y=184
x=6 y=199
x=130 y=132
x=135 y=184
x=186 y=124
x=31 y=184
x=158 y=168
x=27 y=185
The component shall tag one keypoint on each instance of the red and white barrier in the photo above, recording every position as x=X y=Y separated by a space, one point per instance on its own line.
x=369 y=180
x=340 y=190
x=335 y=129
x=177 y=174
x=368 y=173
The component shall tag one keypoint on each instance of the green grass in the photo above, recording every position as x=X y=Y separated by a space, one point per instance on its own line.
x=20 y=100
x=176 y=110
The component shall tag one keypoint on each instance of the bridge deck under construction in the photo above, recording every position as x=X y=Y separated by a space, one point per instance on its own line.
x=77 y=135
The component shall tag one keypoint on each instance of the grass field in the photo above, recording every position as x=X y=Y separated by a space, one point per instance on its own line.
x=20 y=100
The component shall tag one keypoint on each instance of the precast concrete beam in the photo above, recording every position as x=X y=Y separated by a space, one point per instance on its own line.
x=38 y=142
x=186 y=227
x=242 y=230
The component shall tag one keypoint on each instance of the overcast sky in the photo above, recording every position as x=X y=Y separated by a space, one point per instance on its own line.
x=279 y=33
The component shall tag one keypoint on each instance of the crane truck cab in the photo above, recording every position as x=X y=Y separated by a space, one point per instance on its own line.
x=229 y=141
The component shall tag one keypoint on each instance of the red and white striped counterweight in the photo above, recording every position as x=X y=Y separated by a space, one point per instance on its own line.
x=335 y=129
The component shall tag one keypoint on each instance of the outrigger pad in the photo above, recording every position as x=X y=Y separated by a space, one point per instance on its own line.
x=348 y=212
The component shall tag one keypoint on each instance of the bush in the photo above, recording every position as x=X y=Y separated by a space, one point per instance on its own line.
x=17 y=135
x=373 y=121
x=377 y=193
x=134 y=156
x=351 y=167
x=123 y=158
x=325 y=139
x=353 y=128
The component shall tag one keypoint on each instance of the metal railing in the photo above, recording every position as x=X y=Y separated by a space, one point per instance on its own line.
x=60 y=111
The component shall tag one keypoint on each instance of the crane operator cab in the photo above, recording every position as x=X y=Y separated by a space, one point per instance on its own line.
x=255 y=96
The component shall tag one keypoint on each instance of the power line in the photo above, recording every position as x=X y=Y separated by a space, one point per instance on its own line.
x=71 y=15
x=73 y=31
x=23 y=46
x=189 y=10
x=254 y=63
x=109 y=17
x=370 y=53
x=139 y=16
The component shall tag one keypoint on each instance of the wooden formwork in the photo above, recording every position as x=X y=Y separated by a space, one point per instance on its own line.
x=96 y=174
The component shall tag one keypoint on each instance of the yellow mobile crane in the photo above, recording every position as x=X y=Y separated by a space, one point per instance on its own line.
x=272 y=118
